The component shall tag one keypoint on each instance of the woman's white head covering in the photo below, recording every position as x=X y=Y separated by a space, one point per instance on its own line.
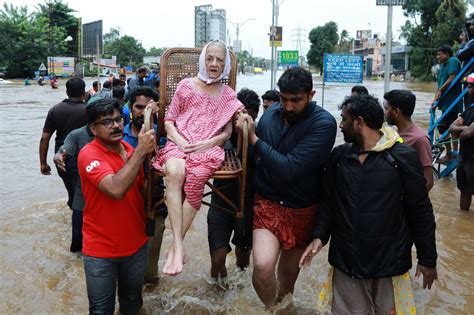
x=202 y=75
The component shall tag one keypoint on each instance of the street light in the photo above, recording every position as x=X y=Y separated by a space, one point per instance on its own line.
x=238 y=26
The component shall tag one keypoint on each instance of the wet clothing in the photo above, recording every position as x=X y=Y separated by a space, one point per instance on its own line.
x=104 y=275
x=465 y=169
x=73 y=144
x=467 y=145
x=112 y=227
x=452 y=66
x=465 y=176
x=362 y=296
x=292 y=227
x=374 y=212
x=290 y=159
x=63 y=118
x=221 y=224
x=198 y=116
x=416 y=138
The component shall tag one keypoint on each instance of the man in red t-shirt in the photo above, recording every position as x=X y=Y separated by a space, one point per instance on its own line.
x=114 y=241
x=399 y=106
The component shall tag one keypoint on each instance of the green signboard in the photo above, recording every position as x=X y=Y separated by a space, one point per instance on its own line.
x=288 y=57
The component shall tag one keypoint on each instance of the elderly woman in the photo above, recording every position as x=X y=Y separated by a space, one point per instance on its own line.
x=197 y=124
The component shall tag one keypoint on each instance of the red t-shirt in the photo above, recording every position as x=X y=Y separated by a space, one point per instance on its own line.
x=112 y=227
x=416 y=138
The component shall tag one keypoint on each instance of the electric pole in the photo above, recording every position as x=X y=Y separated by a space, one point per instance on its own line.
x=300 y=39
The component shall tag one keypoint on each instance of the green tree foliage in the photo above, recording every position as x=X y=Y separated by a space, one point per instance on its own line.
x=60 y=15
x=153 y=51
x=436 y=22
x=244 y=58
x=345 y=43
x=129 y=51
x=323 y=40
x=27 y=40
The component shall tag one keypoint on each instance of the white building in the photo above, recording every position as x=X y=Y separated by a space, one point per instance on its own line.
x=209 y=24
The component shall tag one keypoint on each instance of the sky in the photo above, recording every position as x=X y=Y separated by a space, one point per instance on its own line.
x=170 y=23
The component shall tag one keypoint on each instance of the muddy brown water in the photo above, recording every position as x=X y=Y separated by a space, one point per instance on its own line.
x=38 y=275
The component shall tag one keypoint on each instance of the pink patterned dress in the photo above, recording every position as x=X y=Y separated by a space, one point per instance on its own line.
x=198 y=116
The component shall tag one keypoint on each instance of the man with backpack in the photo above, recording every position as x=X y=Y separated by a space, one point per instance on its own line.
x=375 y=206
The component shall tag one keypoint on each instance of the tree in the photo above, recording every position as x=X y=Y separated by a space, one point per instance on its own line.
x=59 y=15
x=129 y=51
x=437 y=22
x=25 y=44
x=345 y=43
x=153 y=51
x=323 y=40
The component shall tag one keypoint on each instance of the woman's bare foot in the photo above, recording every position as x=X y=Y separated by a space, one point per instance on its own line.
x=175 y=260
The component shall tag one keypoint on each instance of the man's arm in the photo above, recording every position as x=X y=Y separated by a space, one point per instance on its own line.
x=116 y=185
x=445 y=86
x=419 y=214
x=43 y=153
x=467 y=132
x=428 y=175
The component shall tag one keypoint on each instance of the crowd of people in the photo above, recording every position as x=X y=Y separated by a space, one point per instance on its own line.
x=368 y=197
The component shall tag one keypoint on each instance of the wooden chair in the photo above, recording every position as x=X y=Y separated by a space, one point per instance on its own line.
x=177 y=64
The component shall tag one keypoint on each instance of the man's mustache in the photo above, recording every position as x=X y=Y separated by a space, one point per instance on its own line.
x=116 y=131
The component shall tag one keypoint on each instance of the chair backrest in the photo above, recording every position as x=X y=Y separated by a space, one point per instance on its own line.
x=177 y=64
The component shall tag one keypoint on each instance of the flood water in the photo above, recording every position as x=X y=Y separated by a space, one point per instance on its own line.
x=38 y=275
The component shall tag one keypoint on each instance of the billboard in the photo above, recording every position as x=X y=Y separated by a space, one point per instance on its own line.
x=61 y=66
x=390 y=2
x=343 y=68
x=276 y=35
x=363 y=34
x=90 y=33
x=288 y=57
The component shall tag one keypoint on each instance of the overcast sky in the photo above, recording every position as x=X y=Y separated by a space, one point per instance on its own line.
x=170 y=23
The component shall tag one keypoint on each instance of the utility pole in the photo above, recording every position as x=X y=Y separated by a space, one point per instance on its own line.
x=388 y=51
x=299 y=40
x=98 y=58
x=238 y=26
x=275 y=12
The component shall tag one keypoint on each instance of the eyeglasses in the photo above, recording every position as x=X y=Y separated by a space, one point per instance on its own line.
x=109 y=122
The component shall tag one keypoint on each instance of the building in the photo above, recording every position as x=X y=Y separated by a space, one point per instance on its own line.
x=209 y=24
x=370 y=47
x=400 y=57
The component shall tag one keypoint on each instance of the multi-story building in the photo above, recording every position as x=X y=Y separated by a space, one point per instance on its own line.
x=369 y=46
x=209 y=24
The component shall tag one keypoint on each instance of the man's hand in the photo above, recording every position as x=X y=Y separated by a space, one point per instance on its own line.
x=200 y=146
x=251 y=127
x=154 y=106
x=311 y=250
x=146 y=141
x=429 y=275
x=45 y=169
x=60 y=160
x=459 y=121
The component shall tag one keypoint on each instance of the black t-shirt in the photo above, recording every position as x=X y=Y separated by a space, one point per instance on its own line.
x=63 y=118
x=467 y=145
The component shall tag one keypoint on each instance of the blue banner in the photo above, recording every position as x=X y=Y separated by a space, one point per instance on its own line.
x=343 y=68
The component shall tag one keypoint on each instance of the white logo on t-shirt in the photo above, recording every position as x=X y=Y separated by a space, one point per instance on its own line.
x=91 y=166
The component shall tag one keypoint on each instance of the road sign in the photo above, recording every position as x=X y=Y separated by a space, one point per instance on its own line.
x=390 y=2
x=42 y=67
x=343 y=68
x=288 y=57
